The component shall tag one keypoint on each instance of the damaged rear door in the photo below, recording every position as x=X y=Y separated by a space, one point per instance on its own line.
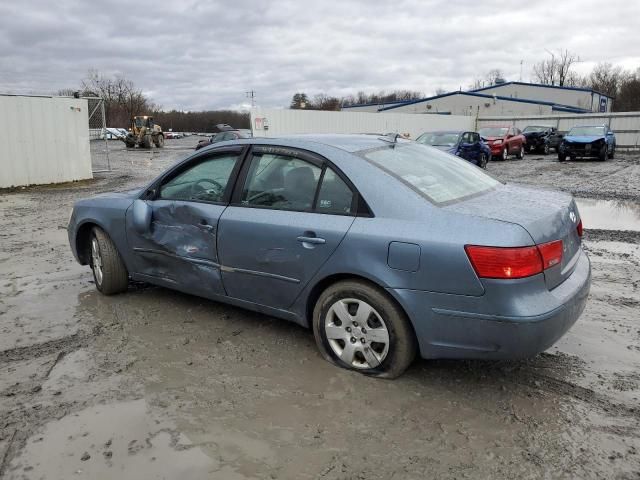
x=179 y=249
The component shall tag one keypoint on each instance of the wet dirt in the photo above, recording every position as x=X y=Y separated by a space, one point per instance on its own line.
x=158 y=384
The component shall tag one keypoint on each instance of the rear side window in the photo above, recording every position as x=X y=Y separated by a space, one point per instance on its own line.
x=335 y=196
x=281 y=182
x=439 y=177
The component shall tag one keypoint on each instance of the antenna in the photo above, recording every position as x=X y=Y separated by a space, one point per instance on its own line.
x=252 y=95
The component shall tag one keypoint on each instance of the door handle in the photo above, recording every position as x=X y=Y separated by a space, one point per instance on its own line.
x=312 y=240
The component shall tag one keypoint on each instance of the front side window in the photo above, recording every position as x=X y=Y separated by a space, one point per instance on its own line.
x=281 y=182
x=204 y=182
x=439 y=177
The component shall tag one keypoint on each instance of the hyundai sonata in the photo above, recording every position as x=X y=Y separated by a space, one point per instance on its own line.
x=386 y=248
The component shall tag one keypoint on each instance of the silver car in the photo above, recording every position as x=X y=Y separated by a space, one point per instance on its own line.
x=386 y=248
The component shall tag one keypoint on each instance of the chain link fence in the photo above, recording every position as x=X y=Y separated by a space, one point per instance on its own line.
x=98 y=135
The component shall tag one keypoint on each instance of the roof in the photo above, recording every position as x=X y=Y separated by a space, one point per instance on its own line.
x=377 y=104
x=555 y=106
x=347 y=142
x=541 y=85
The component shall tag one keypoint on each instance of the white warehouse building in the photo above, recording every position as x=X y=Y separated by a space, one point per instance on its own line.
x=509 y=98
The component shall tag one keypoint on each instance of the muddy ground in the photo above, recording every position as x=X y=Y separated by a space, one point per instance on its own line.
x=158 y=384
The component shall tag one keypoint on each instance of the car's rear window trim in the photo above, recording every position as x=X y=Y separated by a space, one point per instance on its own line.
x=362 y=154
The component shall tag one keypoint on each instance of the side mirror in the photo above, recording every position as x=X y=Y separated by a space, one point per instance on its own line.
x=141 y=216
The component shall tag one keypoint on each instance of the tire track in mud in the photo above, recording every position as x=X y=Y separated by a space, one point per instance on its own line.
x=58 y=345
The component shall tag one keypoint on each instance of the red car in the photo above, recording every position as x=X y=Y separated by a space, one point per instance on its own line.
x=504 y=140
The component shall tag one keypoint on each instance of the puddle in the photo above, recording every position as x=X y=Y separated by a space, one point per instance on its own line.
x=111 y=441
x=609 y=214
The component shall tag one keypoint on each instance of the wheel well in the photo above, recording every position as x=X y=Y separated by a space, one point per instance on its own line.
x=83 y=239
x=325 y=283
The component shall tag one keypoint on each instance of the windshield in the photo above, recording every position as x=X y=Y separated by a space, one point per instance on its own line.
x=493 y=132
x=438 y=176
x=586 y=131
x=439 y=139
x=535 y=129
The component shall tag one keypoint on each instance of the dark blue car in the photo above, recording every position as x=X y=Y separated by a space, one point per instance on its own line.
x=590 y=141
x=467 y=145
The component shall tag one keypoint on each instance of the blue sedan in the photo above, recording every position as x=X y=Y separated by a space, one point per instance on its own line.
x=385 y=248
x=467 y=145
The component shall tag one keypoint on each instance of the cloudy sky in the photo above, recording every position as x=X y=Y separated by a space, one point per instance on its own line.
x=206 y=54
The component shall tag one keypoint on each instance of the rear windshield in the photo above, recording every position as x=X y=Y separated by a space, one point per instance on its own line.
x=438 y=176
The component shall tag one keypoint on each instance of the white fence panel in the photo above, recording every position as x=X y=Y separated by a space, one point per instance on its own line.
x=274 y=122
x=43 y=140
x=626 y=125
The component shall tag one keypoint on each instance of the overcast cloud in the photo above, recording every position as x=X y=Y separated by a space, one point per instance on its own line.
x=207 y=54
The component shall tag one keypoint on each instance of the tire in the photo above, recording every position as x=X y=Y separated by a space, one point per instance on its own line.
x=505 y=153
x=159 y=141
x=482 y=161
x=612 y=153
x=109 y=272
x=147 y=142
x=546 y=149
x=562 y=157
x=603 y=154
x=386 y=320
x=520 y=155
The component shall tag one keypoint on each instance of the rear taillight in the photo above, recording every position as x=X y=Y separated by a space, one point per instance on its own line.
x=579 y=228
x=513 y=262
x=551 y=253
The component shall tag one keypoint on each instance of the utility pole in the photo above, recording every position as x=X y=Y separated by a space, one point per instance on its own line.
x=252 y=95
x=521 y=70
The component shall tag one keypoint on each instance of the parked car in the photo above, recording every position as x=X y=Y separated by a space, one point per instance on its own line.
x=596 y=141
x=541 y=138
x=223 y=136
x=384 y=247
x=467 y=145
x=172 y=135
x=504 y=141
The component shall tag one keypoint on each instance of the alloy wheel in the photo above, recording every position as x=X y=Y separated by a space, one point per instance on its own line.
x=356 y=333
x=96 y=260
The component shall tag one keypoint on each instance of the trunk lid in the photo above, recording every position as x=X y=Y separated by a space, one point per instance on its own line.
x=546 y=215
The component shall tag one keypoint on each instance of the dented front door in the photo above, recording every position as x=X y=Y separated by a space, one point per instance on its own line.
x=180 y=249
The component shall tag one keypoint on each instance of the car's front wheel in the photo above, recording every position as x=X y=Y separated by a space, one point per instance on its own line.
x=546 y=149
x=109 y=271
x=505 y=153
x=357 y=326
x=520 y=155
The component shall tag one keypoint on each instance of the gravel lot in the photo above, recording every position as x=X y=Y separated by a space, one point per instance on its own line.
x=158 y=384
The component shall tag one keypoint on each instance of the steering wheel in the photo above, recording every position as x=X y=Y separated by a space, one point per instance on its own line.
x=199 y=191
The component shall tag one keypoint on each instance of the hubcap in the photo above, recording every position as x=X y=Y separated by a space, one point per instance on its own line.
x=96 y=260
x=505 y=154
x=357 y=333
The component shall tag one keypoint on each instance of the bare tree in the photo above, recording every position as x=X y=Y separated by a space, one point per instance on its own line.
x=440 y=91
x=606 y=78
x=556 y=70
x=494 y=75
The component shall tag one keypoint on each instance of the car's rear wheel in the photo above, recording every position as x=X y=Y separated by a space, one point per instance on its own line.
x=546 y=149
x=520 y=155
x=159 y=141
x=109 y=271
x=358 y=327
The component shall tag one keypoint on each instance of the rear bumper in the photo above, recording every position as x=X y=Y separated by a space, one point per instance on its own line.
x=456 y=326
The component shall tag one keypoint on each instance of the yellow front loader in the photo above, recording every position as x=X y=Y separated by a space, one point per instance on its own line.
x=144 y=133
